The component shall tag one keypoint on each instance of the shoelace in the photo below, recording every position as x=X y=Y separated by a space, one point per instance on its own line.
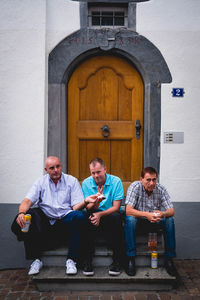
x=71 y=264
x=35 y=265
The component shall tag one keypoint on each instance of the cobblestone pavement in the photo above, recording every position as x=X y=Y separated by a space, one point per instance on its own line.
x=16 y=284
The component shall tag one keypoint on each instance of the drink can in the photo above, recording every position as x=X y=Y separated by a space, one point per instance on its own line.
x=27 y=219
x=154 y=260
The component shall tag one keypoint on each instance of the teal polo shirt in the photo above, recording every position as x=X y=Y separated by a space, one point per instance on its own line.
x=113 y=190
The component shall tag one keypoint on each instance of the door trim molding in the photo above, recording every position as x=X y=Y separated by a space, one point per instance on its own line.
x=127 y=44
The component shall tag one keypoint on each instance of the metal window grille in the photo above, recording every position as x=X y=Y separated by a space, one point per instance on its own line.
x=103 y=17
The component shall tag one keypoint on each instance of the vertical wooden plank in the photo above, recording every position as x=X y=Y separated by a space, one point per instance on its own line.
x=91 y=149
x=121 y=159
x=73 y=116
x=83 y=161
x=125 y=101
x=137 y=114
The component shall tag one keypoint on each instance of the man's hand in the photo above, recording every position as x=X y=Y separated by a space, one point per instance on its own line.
x=24 y=207
x=20 y=220
x=95 y=219
x=155 y=216
x=93 y=202
x=92 y=199
x=158 y=215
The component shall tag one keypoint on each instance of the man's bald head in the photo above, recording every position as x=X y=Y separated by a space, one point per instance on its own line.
x=53 y=167
x=51 y=159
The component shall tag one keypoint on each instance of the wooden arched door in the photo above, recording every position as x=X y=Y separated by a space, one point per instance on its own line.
x=105 y=91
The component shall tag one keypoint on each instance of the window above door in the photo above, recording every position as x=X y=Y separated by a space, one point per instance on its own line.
x=107 y=15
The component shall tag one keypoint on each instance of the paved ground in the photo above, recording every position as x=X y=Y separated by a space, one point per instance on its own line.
x=16 y=284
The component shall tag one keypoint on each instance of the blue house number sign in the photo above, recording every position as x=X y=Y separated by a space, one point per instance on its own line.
x=178 y=92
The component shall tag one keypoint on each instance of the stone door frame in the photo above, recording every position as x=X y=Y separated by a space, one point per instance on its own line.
x=85 y=43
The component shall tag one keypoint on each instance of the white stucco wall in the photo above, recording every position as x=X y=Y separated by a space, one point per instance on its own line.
x=29 y=30
x=22 y=96
x=174 y=27
x=62 y=19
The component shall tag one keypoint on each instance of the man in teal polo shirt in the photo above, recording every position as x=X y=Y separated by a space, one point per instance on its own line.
x=104 y=214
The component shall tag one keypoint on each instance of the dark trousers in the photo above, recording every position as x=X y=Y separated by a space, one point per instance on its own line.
x=111 y=228
x=43 y=236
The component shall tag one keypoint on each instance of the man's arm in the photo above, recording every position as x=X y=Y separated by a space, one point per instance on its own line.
x=114 y=208
x=23 y=208
x=95 y=218
x=90 y=201
x=167 y=213
x=130 y=211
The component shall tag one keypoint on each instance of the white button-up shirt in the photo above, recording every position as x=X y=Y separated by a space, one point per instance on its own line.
x=56 y=201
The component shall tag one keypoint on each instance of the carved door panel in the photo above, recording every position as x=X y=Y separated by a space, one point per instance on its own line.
x=105 y=101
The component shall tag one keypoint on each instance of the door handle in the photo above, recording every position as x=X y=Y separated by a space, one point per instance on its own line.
x=138 y=128
x=105 y=130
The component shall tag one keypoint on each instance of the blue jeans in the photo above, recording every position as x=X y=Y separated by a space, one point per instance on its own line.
x=169 y=234
x=77 y=221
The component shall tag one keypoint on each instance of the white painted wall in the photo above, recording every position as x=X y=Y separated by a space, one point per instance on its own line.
x=174 y=27
x=22 y=86
x=62 y=20
x=29 y=30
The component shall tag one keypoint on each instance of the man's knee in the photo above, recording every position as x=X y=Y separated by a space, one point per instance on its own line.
x=76 y=217
x=115 y=215
x=130 y=221
x=115 y=219
x=80 y=216
x=168 y=221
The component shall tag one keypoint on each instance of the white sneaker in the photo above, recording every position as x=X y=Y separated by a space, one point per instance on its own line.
x=35 y=267
x=70 y=267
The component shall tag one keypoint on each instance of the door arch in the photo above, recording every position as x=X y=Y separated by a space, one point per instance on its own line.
x=105 y=91
x=85 y=43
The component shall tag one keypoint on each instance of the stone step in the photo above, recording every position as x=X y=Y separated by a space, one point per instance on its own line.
x=140 y=239
x=55 y=279
x=102 y=257
x=143 y=239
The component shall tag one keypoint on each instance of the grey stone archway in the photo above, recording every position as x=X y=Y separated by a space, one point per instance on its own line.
x=81 y=45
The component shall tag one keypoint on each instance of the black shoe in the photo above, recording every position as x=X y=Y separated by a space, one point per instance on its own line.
x=115 y=269
x=88 y=269
x=131 y=270
x=169 y=266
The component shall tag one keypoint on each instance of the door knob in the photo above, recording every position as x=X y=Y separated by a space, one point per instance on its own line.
x=105 y=130
x=138 y=128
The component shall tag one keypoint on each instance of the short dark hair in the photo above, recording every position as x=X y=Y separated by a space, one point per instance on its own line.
x=149 y=170
x=96 y=160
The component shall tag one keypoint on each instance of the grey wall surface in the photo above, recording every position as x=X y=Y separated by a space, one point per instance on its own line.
x=11 y=251
x=187 y=223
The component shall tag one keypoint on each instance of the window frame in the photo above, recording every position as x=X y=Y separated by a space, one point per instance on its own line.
x=112 y=9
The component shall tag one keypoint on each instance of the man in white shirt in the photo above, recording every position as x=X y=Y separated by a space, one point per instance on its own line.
x=59 y=201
